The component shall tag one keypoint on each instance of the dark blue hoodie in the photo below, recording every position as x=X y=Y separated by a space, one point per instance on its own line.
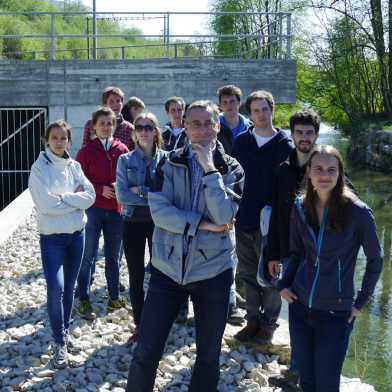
x=259 y=165
x=327 y=282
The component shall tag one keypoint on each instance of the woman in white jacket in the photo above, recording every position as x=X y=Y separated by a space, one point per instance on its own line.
x=61 y=193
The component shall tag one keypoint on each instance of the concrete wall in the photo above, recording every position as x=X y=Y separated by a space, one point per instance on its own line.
x=72 y=89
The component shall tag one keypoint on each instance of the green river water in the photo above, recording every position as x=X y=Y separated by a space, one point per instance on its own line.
x=370 y=352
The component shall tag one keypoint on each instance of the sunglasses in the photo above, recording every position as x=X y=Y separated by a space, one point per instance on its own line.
x=139 y=128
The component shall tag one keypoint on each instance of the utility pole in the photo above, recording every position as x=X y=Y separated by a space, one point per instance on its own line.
x=94 y=29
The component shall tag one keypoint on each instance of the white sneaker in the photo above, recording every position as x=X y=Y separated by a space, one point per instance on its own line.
x=60 y=356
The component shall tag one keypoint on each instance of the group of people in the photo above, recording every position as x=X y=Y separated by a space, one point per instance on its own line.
x=218 y=197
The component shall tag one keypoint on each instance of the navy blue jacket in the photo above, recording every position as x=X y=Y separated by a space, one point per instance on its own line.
x=260 y=166
x=327 y=282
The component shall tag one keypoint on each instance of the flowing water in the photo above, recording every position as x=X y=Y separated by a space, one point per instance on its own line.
x=370 y=353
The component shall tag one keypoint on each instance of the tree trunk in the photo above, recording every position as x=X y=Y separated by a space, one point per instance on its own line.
x=378 y=32
x=390 y=50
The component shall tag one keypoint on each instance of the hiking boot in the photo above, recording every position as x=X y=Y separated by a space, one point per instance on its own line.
x=85 y=310
x=115 y=304
x=60 y=356
x=265 y=333
x=235 y=315
x=71 y=347
x=247 y=333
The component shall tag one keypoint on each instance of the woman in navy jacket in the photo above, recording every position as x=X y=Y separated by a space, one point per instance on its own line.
x=329 y=224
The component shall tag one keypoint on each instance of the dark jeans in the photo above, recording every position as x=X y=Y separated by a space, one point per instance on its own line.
x=110 y=222
x=210 y=302
x=320 y=340
x=135 y=235
x=61 y=259
x=263 y=304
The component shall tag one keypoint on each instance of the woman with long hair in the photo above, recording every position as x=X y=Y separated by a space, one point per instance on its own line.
x=329 y=224
x=99 y=160
x=135 y=175
x=61 y=193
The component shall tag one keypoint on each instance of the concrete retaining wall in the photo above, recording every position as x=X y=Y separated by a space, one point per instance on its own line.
x=72 y=89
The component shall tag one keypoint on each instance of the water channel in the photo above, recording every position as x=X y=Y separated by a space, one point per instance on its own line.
x=370 y=352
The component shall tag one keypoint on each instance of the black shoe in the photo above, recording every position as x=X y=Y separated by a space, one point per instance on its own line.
x=288 y=383
x=235 y=316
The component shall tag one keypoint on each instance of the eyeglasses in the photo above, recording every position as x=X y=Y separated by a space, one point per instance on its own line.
x=148 y=128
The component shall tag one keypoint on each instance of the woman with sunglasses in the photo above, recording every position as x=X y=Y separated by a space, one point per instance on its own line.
x=135 y=175
x=328 y=226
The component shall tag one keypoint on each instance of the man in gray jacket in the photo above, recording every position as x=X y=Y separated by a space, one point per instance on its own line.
x=197 y=193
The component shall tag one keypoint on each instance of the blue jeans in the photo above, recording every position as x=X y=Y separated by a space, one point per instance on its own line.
x=110 y=222
x=320 y=340
x=61 y=259
x=165 y=297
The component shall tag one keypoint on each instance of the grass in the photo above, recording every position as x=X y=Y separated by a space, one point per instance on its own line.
x=388 y=128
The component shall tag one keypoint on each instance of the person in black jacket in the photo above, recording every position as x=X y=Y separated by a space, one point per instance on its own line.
x=173 y=134
x=304 y=126
x=260 y=150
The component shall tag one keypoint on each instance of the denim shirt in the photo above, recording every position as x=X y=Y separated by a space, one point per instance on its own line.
x=131 y=171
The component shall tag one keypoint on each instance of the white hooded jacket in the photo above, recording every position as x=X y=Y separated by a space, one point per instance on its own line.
x=52 y=183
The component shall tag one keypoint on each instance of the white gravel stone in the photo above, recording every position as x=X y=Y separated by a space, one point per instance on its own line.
x=25 y=338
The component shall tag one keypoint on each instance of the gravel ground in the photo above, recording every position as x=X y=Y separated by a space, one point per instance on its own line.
x=103 y=362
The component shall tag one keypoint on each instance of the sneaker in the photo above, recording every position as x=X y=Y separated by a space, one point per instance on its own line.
x=247 y=333
x=115 y=304
x=265 y=333
x=235 y=316
x=86 y=310
x=71 y=347
x=60 y=356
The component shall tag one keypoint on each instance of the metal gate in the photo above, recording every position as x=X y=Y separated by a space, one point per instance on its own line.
x=21 y=131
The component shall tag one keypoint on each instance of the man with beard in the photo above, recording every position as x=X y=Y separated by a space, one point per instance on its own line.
x=305 y=126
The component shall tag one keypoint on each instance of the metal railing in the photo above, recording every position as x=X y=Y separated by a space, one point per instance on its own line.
x=21 y=130
x=269 y=40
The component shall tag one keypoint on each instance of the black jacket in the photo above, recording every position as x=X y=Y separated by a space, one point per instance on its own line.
x=287 y=182
x=172 y=142
x=225 y=136
x=259 y=165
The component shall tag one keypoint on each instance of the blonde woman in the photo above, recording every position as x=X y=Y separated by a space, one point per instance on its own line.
x=135 y=175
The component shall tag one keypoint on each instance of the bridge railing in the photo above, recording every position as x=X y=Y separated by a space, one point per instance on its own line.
x=268 y=36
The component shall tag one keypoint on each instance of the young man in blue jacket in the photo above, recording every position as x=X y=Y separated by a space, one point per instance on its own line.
x=260 y=150
x=197 y=193
x=232 y=123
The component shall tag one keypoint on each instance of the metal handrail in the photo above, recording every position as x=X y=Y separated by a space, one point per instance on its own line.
x=272 y=39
